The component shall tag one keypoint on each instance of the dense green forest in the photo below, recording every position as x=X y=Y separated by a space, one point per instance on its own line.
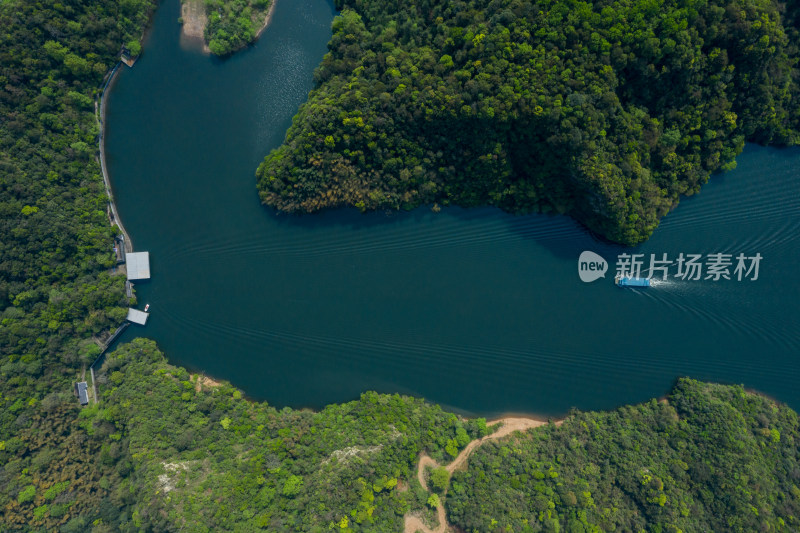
x=167 y=451
x=714 y=458
x=210 y=460
x=607 y=110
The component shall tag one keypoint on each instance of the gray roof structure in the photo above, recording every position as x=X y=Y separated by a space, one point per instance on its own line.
x=83 y=393
x=138 y=265
x=137 y=317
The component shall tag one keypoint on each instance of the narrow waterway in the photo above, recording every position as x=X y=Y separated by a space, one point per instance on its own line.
x=475 y=309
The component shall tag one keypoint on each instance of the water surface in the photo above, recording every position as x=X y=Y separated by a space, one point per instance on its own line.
x=475 y=309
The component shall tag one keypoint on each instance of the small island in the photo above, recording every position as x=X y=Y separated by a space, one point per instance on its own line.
x=225 y=26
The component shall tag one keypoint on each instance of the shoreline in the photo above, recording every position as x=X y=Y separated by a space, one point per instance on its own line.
x=267 y=19
x=111 y=212
x=499 y=416
x=100 y=116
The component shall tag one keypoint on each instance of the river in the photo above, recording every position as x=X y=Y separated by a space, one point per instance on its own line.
x=480 y=311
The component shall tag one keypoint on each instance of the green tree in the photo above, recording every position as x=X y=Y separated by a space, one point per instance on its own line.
x=134 y=48
x=27 y=494
x=440 y=478
x=434 y=501
x=292 y=486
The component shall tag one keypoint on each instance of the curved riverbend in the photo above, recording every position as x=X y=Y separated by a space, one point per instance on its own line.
x=475 y=309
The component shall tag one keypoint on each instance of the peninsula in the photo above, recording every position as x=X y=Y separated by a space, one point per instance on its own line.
x=609 y=111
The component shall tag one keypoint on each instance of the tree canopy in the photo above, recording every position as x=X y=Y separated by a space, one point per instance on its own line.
x=607 y=110
x=710 y=458
x=233 y=24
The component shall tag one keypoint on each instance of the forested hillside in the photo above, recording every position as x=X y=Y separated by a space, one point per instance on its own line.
x=607 y=110
x=204 y=458
x=56 y=241
x=713 y=458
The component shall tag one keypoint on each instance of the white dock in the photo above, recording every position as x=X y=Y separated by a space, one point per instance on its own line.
x=138 y=265
x=137 y=317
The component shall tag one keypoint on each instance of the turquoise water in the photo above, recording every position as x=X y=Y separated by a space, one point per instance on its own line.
x=478 y=310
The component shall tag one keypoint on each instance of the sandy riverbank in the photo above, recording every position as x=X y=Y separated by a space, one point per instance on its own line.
x=201 y=381
x=193 y=14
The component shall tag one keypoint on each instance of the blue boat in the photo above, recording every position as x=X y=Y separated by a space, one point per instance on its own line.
x=625 y=281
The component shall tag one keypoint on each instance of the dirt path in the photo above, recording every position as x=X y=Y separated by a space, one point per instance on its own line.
x=423 y=462
x=510 y=425
x=414 y=523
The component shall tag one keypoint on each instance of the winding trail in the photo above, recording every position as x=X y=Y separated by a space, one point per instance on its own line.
x=509 y=426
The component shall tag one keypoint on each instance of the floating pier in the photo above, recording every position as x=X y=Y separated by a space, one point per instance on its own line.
x=128 y=60
x=137 y=264
x=137 y=317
